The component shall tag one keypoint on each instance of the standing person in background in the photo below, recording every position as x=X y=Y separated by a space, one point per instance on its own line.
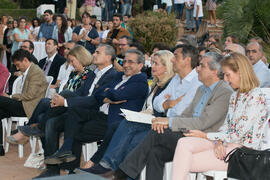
x=99 y=29
x=62 y=33
x=85 y=34
x=125 y=7
x=20 y=34
x=46 y=29
x=7 y=41
x=211 y=8
x=117 y=32
x=189 y=4
x=3 y=26
x=179 y=8
x=169 y=5
x=87 y=6
x=71 y=5
x=3 y=73
x=109 y=28
x=198 y=13
x=36 y=26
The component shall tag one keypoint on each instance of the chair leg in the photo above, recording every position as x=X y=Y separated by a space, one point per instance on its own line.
x=8 y=130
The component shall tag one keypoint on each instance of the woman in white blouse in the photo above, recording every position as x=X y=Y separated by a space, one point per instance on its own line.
x=243 y=126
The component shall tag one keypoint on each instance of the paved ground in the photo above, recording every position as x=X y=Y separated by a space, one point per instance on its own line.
x=11 y=166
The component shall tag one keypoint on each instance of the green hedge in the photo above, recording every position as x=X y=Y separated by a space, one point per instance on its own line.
x=16 y=13
x=7 y=4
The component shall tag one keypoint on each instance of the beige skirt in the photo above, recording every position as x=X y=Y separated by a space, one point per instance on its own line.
x=210 y=5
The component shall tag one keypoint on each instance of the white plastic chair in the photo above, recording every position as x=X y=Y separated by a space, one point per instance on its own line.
x=7 y=123
x=89 y=150
x=33 y=139
x=167 y=173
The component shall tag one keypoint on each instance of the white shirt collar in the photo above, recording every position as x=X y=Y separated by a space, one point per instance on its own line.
x=26 y=72
x=102 y=71
x=51 y=58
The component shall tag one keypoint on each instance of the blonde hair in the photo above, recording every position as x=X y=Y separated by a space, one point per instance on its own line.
x=82 y=55
x=240 y=63
x=165 y=57
x=203 y=29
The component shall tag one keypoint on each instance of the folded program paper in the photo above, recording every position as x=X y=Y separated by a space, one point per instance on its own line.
x=137 y=116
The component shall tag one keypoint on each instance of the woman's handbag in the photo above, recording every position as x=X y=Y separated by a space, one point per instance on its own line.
x=248 y=164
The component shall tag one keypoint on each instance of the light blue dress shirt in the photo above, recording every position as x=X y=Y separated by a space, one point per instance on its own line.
x=206 y=94
x=175 y=89
x=262 y=73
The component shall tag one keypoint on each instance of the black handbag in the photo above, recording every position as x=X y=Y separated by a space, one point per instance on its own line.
x=248 y=164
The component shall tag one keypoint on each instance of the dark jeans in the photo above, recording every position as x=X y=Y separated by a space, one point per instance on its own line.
x=178 y=9
x=198 y=23
x=153 y=152
x=92 y=127
x=9 y=107
x=127 y=136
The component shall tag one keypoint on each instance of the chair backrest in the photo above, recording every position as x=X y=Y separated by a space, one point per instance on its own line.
x=16 y=84
x=6 y=83
x=266 y=140
x=49 y=80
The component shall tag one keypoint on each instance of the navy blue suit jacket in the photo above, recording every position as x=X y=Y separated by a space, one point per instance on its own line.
x=84 y=101
x=134 y=91
x=55 y=66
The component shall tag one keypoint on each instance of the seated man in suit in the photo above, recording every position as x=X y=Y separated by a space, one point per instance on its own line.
x=105 y=73
x=207 y=112
x=31 y=89
x=51 y=64
x=86 y=119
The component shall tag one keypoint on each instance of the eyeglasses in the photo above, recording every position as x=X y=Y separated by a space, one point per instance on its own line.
x=129 y=62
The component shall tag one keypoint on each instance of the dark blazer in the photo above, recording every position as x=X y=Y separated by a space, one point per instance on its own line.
x=55 y=66
x=134 y=91
x=90 y=101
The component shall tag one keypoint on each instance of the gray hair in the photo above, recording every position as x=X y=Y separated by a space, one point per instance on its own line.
x=214 y=63
x=258 y=44
x=140 y=56
x=109 y=50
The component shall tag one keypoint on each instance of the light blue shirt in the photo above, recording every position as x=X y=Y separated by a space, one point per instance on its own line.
x=67 y=34
x=206 y=94
x=175 y=89
x=262 y=73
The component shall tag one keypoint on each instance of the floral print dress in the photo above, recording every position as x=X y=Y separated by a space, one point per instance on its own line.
x=245 y=120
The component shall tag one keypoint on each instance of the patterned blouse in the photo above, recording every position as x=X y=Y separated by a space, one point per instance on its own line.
x=76 y=80
x=245 y=120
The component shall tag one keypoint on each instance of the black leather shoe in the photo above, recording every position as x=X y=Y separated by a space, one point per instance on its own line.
x=2 y=151
x=60 y=157
x=31 y=131
x=48 y=173
x=96 y=169
x=119 y=175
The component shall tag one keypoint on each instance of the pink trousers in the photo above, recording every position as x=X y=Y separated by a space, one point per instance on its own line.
x=194 y=154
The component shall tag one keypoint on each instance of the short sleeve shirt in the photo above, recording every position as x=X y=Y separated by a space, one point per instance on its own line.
x=93 y=34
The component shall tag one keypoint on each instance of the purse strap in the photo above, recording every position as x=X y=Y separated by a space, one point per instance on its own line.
x=227 y=157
